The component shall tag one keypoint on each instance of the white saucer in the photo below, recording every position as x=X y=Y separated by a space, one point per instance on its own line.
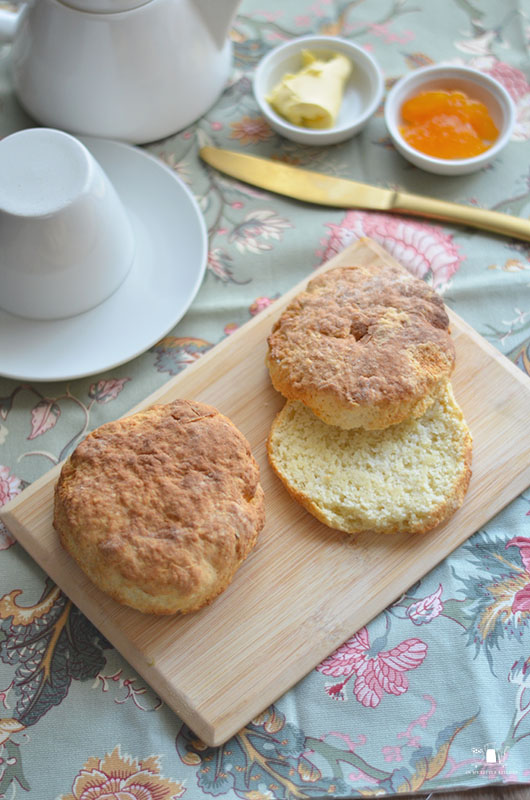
x=170 y=261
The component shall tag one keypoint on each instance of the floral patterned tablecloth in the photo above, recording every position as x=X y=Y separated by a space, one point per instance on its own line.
x=433 y=693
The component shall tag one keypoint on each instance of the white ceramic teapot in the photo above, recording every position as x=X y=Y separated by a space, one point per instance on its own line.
x=136 y=70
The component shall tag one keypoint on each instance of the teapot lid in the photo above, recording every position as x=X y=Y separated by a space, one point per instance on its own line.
x=104 y=6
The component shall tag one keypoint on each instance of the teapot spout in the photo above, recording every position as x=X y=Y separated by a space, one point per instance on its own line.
x=217 y=17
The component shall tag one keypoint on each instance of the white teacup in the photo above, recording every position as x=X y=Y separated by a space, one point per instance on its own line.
x=66 y=242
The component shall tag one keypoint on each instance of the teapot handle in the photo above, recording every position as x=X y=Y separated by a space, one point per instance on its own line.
x=8 y=25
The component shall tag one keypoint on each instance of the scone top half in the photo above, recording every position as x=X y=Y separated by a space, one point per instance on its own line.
x=160 y=508
x=363 y=346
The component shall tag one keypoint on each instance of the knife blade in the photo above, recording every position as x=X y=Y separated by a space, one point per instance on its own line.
x=326 y=190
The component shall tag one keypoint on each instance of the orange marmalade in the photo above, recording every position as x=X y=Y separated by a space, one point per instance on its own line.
x=447 y=124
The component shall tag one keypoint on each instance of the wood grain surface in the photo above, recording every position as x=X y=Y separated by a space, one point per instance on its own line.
x=305 y=588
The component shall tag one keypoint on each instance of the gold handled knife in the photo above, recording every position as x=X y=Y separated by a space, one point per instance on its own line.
x=325 y=190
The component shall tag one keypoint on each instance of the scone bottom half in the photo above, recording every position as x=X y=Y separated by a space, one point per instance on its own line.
x=408 y=478
x=363 y=347
x=160 y=508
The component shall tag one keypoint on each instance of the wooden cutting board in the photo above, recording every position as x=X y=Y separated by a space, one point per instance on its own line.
x=305 y=588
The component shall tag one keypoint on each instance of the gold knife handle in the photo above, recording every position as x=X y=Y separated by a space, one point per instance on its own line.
x=465 y=215
x=315 y=187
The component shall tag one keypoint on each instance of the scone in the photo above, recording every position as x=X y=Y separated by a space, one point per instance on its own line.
x=406 y=478
x=363 y=346
x=160 y=508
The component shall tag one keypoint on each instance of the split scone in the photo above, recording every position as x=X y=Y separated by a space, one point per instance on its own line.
x=406 y=478
x=363 y=346
x=160 y=508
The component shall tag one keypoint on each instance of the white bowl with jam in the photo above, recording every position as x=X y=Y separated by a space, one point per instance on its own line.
x=361 y=93
x=476 y=116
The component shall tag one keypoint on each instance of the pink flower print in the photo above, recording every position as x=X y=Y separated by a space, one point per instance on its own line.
x=9 y=485
x=424 y=250
x=389 y=37
x=359 y=775
x=425 y=610
x=270 y=16
x=513 y=80
x=521 y=599
x=352 y=745
x=251 y=130
x=44 y=416
x=384 y=672
x=318 y=9
x=259 y=304
x=105 y=391
x=347 y=657
x=391 y=753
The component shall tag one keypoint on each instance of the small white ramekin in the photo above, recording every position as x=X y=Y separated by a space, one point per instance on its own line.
x=476 y=85
x=362 y=95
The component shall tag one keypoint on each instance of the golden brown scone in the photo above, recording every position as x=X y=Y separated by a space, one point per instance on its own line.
x=406 y=478
x=363 y=346
x=160 y=508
